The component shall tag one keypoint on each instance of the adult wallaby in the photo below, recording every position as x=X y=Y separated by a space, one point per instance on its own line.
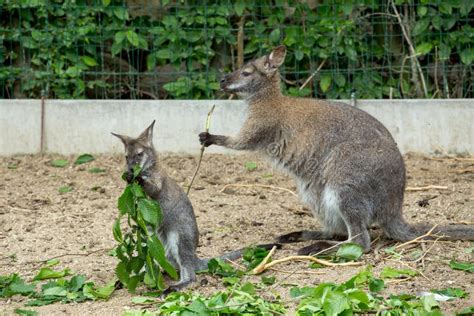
x=347 y=167
x=178 y=232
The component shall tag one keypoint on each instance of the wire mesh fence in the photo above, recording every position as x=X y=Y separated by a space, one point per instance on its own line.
x=152 y=49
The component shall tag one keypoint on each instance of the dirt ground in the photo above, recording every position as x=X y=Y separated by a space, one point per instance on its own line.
x=38 y=223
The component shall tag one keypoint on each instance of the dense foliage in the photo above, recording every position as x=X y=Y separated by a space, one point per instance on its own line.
x=174 y=49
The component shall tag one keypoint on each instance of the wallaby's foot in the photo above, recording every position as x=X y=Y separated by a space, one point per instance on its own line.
x=270 y=246
x=177 y=287
x=305 y=235
x=317 y=247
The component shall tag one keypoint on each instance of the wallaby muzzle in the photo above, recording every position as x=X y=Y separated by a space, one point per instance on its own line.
x=225 y=82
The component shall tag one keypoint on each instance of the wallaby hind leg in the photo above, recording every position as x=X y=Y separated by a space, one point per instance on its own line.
x=306 y=235
x=360 y=236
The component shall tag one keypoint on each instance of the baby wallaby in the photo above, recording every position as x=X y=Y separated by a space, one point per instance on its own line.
x=179 y=231
x=347 y=167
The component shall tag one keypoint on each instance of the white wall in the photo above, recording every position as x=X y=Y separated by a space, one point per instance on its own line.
x=80 y=126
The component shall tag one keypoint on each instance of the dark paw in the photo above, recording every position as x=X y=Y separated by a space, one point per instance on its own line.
x=128 y=176
x=314 y=248
x=205 y=139
x=269 y=246
x=289 y=238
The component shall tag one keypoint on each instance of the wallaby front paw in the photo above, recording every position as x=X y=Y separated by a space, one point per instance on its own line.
x=205 y=139
x=128 y=176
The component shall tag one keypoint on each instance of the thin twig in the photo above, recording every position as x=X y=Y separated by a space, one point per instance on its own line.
x=208 y=124
x=417 y=238
x=261 y=266
x=309 y=258
x=67 y=255
x=426 y=188
x=313 y=74
x=296 y=272
x=259 y=186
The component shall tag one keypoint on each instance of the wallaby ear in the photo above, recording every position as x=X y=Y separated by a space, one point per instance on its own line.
x=123 y=138
x=147 y=134
x=276 y=58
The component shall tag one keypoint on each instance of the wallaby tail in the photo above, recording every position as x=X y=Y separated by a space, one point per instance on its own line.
x=233 y=255
x=400 y=230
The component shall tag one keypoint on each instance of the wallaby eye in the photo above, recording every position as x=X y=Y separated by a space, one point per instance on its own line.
x=246 y=73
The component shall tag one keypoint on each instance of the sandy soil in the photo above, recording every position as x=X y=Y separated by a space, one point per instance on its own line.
x=37 y=222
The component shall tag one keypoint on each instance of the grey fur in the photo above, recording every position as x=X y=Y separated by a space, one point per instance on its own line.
x=179 y=231
x=347 y=166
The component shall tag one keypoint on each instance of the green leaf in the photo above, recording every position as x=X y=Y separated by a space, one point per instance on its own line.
x=275 y=36
x=26 y=312
x=122 y=273
x=151 y=211
x=466 y=311
x=467 y=56
x=119 y=37
x=250 y=165
x=376 y=285
x=422 y=10
x=268 y=280
x=452 y=292
x=126 y=204
x=76 y=283
x=103 y=292
x=143 y=300
x=252 y=256
x=48 y=273
x=150 y=62
x=429 y=302
x=424 y=48
x=239 y=7
x=106 y=3
x=59 y=163
x=163 y=54
x=157 y=251
x=96 y=170
x=84 y=159
x=52 y=262
x=65 y=189
x=391 y=273
x=137 y=190
x=421 y=26
x=463 y=266
x=325 y=82
x=117 y=232
x=350 y=251
x=121 y=13
x=89 y=61
x=20 y=287
x=132 y=38
x=55 y=291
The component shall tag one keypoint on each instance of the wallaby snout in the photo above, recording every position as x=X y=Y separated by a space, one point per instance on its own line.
x=225 y=82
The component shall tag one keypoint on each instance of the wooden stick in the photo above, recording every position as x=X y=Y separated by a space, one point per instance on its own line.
x=208 y=125
x=426 y=188
x=313 y=74
x=261 y=266
x=259 y=186
x=296 y=272
x=303 y=258
x=417 y=238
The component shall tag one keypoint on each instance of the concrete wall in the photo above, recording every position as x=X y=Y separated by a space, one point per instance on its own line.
x=80 y=126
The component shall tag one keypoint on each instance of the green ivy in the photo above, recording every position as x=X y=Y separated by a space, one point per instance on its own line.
x=170 y=49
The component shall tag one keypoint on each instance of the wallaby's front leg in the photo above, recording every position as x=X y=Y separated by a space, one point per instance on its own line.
x=251 y=136
x=151 y=185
